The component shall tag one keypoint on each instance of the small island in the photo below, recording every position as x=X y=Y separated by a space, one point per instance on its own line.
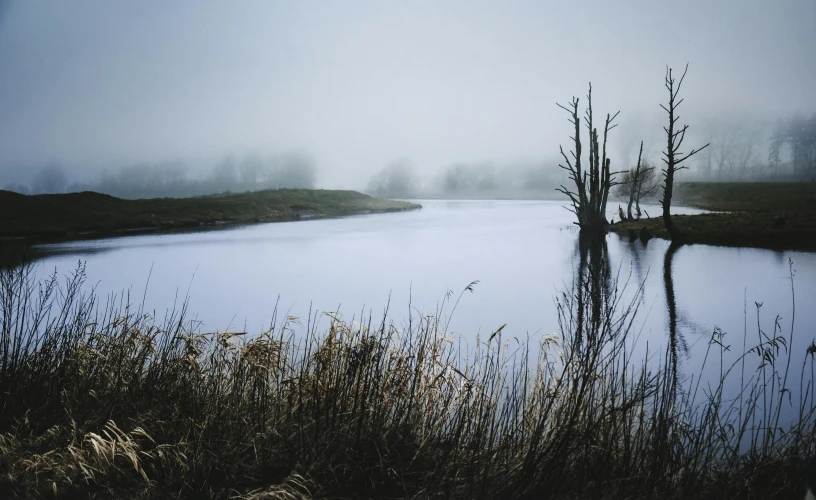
x=59 y=217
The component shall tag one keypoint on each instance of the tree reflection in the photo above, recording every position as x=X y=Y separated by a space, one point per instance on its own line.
x=593 y=282
x=677 y=343
x=671 y=303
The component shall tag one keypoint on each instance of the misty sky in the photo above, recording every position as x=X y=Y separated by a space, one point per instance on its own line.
x=358 y=84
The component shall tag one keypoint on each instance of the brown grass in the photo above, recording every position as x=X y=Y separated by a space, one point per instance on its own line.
x=101 y=400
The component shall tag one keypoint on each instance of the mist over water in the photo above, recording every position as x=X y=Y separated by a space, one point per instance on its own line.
x=99 y=88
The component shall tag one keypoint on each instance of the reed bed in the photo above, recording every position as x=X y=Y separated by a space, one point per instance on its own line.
x=100 y=399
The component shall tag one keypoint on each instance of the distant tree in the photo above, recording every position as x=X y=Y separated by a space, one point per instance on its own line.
x=638 y=183
x=486 y=178
x=799 y=135
x=474 y=179
x=17 y=188
x=746 y=148
x=674 y=158
x=296 y=170
x=734 y=146
x=137 y=181
x=453 y=179
x=537 y=177
x=172 y=176
x=225 y=175
x=774 y=147
x=396 y=180
x=250 y=170
x=78 y=187
x=724 y=147
x=50 y=179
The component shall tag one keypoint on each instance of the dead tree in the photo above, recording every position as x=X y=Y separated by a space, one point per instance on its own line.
x=673 y=157
x=591 y=191
x=648 y=185
x=636 y=184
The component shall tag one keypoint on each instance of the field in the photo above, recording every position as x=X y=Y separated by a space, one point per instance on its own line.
x=90 y=214
x=763 y=215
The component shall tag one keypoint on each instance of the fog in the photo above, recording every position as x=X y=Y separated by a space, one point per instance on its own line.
x=96 y=88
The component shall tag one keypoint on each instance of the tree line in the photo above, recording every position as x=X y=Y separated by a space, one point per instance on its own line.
x=400 y=179
x=797 y=134
x=175 y=179
x=747 y=148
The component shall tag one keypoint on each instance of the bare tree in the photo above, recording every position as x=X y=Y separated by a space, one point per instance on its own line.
x=724 y=150
x=648 y=184
x=635 y=185
x=296 y=170
x=50 y=179
x=15 y=187
x=799 y=134
x=250 y=170
x=588 y=200
x=638 y=183
x=674 y=158
x=224 y=174
x=397 y=179
x=171 y=174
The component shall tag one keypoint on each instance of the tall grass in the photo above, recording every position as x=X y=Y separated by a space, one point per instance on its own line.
x=100 y=399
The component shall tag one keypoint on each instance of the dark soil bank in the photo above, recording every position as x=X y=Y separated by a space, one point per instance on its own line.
x=762 y=215
x=89 y=214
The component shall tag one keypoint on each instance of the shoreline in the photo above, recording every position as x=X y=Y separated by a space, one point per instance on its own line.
x=774 y=216
x=42 y=219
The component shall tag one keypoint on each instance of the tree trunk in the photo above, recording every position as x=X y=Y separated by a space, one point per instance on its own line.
x=671 y=166
x=635 y=190
x=673 y=158
x=674 y=233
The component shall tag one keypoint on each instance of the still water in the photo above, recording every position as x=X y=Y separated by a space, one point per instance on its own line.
x=522 y=253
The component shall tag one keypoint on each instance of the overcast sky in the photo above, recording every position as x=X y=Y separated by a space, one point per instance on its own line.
x=360 y=83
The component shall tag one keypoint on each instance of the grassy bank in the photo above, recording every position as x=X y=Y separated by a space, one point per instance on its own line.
x=99 y=400
x=89 y=214
x=763 y=215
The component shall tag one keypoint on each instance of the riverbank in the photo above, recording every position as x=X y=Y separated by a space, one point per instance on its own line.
x=59 y=217
x=761 y=215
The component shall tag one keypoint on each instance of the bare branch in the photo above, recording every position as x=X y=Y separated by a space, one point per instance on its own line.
x=693 y=152
x=681 y=80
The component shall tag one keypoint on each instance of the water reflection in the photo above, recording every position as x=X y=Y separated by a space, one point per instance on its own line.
x=522 y=253
x=594 y=282
x=671 y=305
x=592 y=277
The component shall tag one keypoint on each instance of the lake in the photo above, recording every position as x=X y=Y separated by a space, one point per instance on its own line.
x=522 y=253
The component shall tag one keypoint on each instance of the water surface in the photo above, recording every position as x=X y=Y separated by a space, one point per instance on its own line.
x=522 y=253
